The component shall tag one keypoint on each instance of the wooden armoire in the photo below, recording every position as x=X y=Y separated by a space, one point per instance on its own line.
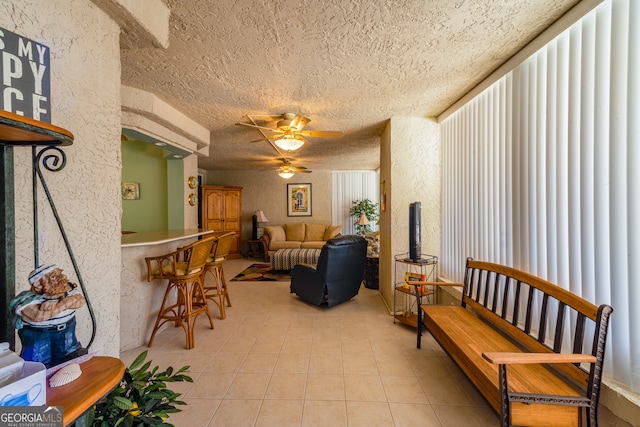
x=221 y=211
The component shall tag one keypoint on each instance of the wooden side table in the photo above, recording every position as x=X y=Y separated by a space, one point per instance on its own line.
x=254 y=248
x=371 y=272
x=100 y=375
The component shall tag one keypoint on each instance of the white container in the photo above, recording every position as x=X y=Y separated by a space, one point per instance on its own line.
x=10 y=365
x=29 y=389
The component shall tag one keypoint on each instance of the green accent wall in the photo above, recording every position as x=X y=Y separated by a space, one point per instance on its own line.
x=175 y=192
x=145 y=164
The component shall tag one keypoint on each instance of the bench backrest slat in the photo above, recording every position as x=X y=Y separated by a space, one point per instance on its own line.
x=486 y=290
x=505 y=296
x=542 y=328
x=557 y=340
x=516 y=304
x=476 y=288
x=527 y=325
x=578 y=341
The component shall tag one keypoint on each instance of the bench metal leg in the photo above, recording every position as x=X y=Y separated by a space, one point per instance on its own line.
x=419 y=324
x=505 y=413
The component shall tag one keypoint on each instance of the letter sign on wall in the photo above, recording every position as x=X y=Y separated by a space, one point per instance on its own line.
x=24 y=77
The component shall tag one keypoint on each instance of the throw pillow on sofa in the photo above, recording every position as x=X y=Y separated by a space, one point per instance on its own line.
x=331 y=232
x=313 y=232
x=276 y=233
x=294 y=232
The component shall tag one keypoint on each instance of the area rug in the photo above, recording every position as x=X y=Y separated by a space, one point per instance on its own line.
x=262 y=273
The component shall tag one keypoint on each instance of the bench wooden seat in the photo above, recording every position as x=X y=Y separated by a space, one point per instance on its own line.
x=504 y=320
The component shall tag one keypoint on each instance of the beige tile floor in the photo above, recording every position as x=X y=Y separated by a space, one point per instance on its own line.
x=277 y=361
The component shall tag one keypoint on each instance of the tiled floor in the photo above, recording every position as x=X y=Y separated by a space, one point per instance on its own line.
x=277 y=361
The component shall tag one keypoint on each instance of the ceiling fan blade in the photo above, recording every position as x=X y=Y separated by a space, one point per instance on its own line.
x=268 y=137
x=321 y=133
x=299 y=122
x=258 y=127
x=302 y=171
x=264 y=116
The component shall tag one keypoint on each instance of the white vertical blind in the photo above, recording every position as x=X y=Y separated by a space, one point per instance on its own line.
x=541 y=171
x=633 y=189
x=348 y=187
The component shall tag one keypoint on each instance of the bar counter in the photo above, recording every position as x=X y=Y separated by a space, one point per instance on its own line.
x=140 y=300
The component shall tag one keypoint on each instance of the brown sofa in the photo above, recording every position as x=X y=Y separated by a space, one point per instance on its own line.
x=298 y=235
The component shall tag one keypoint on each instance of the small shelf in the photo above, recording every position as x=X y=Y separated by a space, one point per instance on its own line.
x=410 y=291
x=20 y=130
x=429 y=260
x=411 y=320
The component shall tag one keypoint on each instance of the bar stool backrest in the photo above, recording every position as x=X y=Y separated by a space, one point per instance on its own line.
x=200 y=251
x=223 y=247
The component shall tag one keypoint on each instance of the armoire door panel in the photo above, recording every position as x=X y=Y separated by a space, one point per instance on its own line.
x=221 y=211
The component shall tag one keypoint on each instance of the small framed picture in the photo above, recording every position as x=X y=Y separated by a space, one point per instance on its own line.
x=298 y=199
x=130 y=190
x=414 y=277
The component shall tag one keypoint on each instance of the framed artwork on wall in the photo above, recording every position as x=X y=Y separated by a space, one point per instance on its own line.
x=298 y=199
x=130 y=190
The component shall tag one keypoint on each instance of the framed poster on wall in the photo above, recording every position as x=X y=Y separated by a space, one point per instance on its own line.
x=298 y=199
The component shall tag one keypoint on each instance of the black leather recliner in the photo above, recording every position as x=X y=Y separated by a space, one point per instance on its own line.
x=338 y=274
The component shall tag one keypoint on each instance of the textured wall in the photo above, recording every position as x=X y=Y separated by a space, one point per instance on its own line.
x=410 y=164
x=85 y=99
x=386 y=250
x=265 y=190
x=190 y=212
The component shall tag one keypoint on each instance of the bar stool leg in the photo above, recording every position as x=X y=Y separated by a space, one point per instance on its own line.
x=220 y=290
x=189 y=316
x=200 y=300
x=159 y=318
x=224 y=287
x=182 y=313
x=215 y=291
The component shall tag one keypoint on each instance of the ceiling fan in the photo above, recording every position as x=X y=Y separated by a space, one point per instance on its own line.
x=289 y=133
x=286 y=170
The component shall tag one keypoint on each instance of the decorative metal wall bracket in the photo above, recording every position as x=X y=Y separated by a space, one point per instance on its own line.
x=55 y=161
x=22 y=131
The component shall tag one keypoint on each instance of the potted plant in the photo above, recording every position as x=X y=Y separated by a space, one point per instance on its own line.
x=142 y=397
x=366 y=207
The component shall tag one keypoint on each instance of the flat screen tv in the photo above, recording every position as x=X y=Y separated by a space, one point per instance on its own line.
x=414 y=232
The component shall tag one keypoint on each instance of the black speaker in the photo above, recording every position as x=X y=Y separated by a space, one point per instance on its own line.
x=414 y=232
x=254 y=231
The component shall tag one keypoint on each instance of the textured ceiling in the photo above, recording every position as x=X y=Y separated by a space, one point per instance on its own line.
x=348 y=65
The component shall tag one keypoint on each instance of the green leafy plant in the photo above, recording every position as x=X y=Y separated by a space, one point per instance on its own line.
x=366 y=207
x=141 y=399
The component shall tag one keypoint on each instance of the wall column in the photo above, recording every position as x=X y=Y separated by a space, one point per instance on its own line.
x=410 y=167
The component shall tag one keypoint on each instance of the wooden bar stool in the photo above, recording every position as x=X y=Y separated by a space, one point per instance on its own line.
x=183 y=269
x=217 y=292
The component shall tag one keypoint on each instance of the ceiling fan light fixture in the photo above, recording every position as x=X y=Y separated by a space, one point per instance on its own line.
x=285 y=174
x=289 y=143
